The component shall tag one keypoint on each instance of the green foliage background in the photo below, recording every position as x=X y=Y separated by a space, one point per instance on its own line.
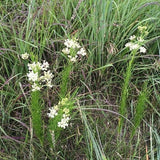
x=103 y=27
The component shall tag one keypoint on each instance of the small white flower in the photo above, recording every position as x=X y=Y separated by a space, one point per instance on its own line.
x=44 y=66
x=25 y=56
x=48 y=84
x=31 y=66
x=66 y=51
x=142 y=50
x=72 y=59
x=128 y=44
x=47 y=75
x=81 y=52
x=132 y=37
x=35 y=87
x=76 y=45
x=35 y=66
x=32 y=76
x=64 y=121
x=53 y=112
x=70 y=43
x=134 y=46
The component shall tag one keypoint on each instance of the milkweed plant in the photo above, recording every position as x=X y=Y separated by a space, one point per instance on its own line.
x=135 y=45
x=39 y=76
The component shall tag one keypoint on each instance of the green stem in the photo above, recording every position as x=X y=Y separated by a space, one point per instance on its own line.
x=124 y=94
x=65 y=80
x=36 y=108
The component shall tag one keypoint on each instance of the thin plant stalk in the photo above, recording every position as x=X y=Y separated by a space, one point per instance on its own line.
x=124 y=94
x=36 y=108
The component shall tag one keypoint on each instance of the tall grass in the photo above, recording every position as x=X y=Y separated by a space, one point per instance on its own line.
x=92 y=142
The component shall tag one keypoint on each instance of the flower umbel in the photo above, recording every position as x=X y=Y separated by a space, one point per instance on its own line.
x=44 y=66
x=39 y=74
x=82 y=52
x=61 y=113
x=137 y=43
x=142 y=50
x=35 y=66
x=70 y=43
x=32 y=76
x=25 y=56
x=35 y=87
x=53 y=112
x=64 y=121
x=73 y=49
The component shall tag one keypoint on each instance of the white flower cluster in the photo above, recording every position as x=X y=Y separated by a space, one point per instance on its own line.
x=70 y=43
x=132 y=46
x=64 y=113
x=64 y=121
x=138 y=42
x=39 y=75
x=53 y=112
x=25 y=56
x=73 y=49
